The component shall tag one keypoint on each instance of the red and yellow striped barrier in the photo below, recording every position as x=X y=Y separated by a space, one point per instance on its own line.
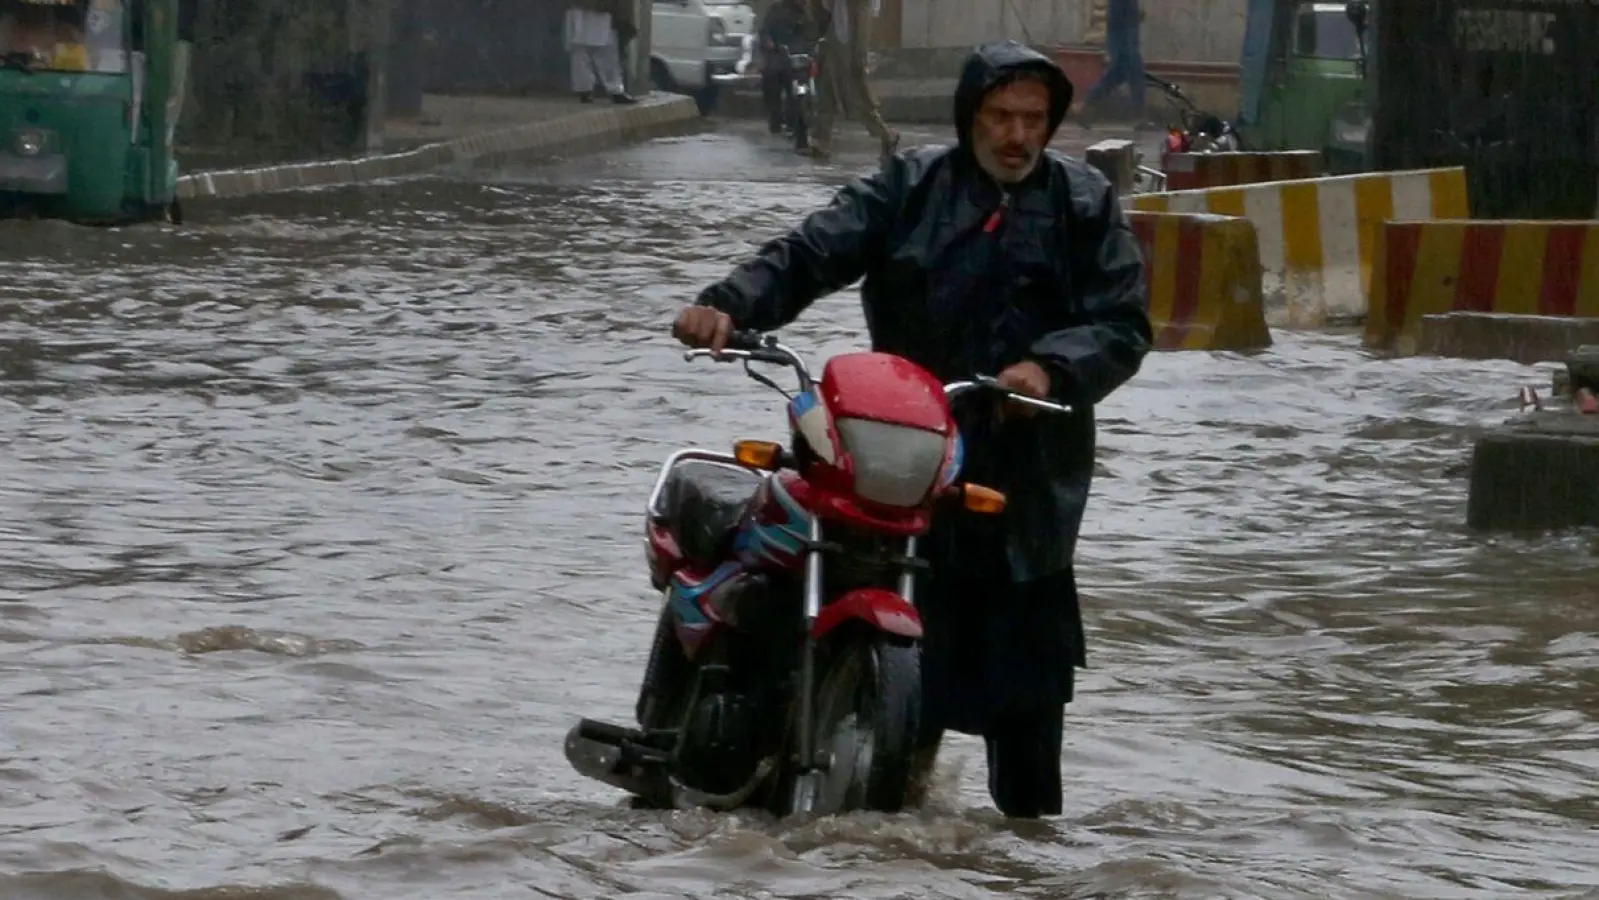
x=1204 y=281
x=1191 y=171
x=1462 y=265
x=1318 y=237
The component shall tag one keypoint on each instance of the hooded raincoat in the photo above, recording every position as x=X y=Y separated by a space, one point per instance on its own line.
x=964 y=277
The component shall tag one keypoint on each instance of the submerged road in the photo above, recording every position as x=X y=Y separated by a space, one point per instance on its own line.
x=322 y=524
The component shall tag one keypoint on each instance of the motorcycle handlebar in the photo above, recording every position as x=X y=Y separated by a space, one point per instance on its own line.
x=752 y=346
x=990 y=383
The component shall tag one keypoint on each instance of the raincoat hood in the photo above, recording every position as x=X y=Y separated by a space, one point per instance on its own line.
x=993 y=65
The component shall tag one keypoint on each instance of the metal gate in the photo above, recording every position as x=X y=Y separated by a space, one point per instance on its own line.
x=1507 y=88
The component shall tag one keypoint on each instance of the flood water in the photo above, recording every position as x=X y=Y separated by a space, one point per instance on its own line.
x=322 y=519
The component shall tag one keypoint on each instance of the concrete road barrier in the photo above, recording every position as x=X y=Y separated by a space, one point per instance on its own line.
x=1319 y=237
x=1191 y=171
x=1536 y=473
x=1525 y=268
x=1204 y=281
x=1117 y=160
x=1524 y=339
x=655 y=115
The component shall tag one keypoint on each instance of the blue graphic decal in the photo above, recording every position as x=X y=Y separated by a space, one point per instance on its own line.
x=686 y=599
x=802 y=403
x=957 y=459
x=774 y=543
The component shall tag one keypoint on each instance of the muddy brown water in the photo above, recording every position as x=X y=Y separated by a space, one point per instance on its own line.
x=321 y=524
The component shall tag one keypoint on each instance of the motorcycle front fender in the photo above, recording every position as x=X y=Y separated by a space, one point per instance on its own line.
x=882 y=610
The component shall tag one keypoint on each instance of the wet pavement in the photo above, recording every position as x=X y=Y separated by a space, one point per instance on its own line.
x=322 y=524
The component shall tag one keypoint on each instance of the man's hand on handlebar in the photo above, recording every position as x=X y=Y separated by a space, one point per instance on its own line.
x=1029 y=379
x=703 y=327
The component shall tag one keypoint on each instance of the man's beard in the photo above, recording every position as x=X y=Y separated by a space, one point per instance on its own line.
x=1004 y=174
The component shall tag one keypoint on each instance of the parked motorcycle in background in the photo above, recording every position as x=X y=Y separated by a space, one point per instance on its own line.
x=785 y=672
x=1197 y=131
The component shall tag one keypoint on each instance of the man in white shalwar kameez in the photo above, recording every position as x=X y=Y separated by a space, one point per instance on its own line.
x=591 y=41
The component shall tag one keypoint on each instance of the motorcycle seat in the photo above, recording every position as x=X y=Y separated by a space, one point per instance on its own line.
x=703 y=503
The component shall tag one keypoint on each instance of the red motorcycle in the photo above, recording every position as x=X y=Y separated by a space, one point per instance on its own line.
x=1199 y=131
x=785 y=672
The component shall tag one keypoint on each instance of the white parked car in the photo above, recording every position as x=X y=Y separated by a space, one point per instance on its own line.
x=695 y=47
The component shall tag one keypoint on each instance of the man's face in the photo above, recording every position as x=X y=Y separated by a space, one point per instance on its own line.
x=1011 y=129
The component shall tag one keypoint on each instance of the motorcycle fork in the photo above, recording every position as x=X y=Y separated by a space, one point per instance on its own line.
x=805 y=783
x=810 y=764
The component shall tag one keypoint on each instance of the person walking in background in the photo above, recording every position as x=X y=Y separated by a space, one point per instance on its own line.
x=624 y=21
x=784 y=28
x=841 y=60
x=592 y=42
x=1123 y=21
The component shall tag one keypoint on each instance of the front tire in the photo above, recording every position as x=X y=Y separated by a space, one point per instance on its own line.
x=868 y=711
x=668 y=674
x=798 y=126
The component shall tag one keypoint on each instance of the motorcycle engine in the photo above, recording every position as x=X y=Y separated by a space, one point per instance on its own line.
x=718 y=748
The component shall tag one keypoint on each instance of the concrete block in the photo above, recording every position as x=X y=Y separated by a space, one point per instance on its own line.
x=1524 y=339
x=1538 y=472
x=1118 y=159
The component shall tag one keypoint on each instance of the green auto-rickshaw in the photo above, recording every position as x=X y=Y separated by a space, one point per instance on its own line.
x=90 y=92
x=1304 y=81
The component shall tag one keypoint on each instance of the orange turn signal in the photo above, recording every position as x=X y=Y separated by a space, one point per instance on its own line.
x=764 y=455
x=984 y=500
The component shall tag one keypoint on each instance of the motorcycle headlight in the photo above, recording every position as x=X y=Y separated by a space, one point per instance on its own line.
x=895 y=465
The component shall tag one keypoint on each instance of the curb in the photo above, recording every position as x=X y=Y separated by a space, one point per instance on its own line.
x=655 y=115
x=896 y=109
x=1527 y=339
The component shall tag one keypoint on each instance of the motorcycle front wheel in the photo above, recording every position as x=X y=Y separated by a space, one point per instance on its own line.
x=798 y=126
x=868 y=710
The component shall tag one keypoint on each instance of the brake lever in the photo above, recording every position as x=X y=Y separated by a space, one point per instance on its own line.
x=725 y=355
x=989 y=381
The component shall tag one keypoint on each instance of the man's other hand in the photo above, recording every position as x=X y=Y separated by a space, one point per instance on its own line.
x=1029 y=379
x=702 y=326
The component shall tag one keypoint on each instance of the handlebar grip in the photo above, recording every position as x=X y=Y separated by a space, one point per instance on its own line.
x=745 y=339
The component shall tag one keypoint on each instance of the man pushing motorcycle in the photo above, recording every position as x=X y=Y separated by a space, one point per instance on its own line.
x=995 y=255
